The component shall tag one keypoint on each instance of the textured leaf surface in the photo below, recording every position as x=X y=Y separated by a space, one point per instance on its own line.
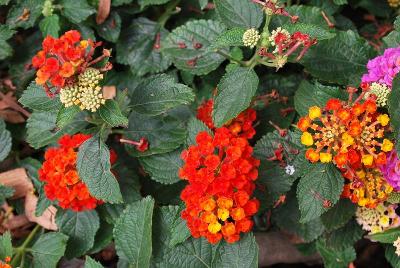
x=287 y=217
x=80 y=227
x=66 y=115
x=76 y=10
x=5 y=192
x=314 y=31
x=334 y=258
x=6 y=248
x=136 y=47
x=164 y=134
x=159 y=93
x=310 y=94
x=231 y=37
x=339 y=60
x=34 y=7
x=50 y=25
x=391 y=256
x=394 y=109
x=322 y=182
x=239 y=13
x=111 y=113
x=235 y=92
x=194 y=127
x=49 y=249
x=339 y=215
x=111 y=28
x=5 y=141
x=388 y=236
x=90 y=263
x=163 y=167
x=132 y=233
x=194 y=60
x=35 y=98
x=345 y=236
x=42 y=129
x=93 y=165
x=5 y=34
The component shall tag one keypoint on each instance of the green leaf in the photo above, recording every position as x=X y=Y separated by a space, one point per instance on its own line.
x=24 y=14
x=203 y=3
x=394 y=108
x=80 y=227
x=235 y=92
x=6 y=249
x=76 y=10
x=132 y=233
x=163 y=168
x=239 y=13
x=287 y=217
x=334 y=258
x=103 y=238
x=5 y=34
x=339 y=215
x=111 y=28
x=90 y=263
x=50 y=25
x=164 y=133
x=231 y=37
x=340 y=60
x=195 y=60
x=340 y=2
x=314 y=31
x=310 y=94
x=144 y=3
x=93 y=165
x=66 y=115
x=111 y=113
x=388 y=236
x=323 y=182
x=35 y=98
x=42 y=129
x=194 y=127
x=243 y=253
x=160 y=93
x=5 y=141
x=345 y=236
x=5 y=192
x=169 y=230
x=49 y=249
x=136 y=47
x=391 y=256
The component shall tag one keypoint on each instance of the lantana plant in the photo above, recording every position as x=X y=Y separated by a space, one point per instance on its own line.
x=198 y=133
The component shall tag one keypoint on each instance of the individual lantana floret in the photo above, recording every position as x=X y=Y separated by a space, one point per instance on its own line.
x=381 y=93
x=48 y=8
x=62 y=59
x=378 y=219
x=221 y=173
x=366 y=187
x=60 y=176
x=242 y=125
x=251 y=37
x=69 y=95
x=350 y=133
x=390 y=170
x=396 y=244
x=394 y=3
x=91 y=98
x=5 y=263
x=383 y=68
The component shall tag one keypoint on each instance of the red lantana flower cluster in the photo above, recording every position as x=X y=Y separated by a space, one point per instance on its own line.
x=59 y=173
x=62 y=59
x=221 y=172
x=242 y=125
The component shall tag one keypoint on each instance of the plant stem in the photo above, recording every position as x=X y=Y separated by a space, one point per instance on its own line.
x=169 y=11
x=20 y=251
x=229 y=57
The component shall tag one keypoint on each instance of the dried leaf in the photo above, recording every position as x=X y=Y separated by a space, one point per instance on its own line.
x=109 y=92
x=17 y=179
x=103 y=11
x=12 y=116
x=47 y=220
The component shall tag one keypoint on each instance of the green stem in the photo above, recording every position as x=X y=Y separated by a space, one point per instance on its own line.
x=288 y=3
x=20 y=251
x=169 y=11
x=226 y=55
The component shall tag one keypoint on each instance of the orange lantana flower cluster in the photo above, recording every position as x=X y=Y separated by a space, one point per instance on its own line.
x=242 y=125
x=221 y=172
x=349 y=134
x=6 y=262
x=61 y=178
x=61 y=59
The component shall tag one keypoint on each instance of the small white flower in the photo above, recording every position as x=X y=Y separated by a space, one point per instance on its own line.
x=289 y=169
x=396 y=244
